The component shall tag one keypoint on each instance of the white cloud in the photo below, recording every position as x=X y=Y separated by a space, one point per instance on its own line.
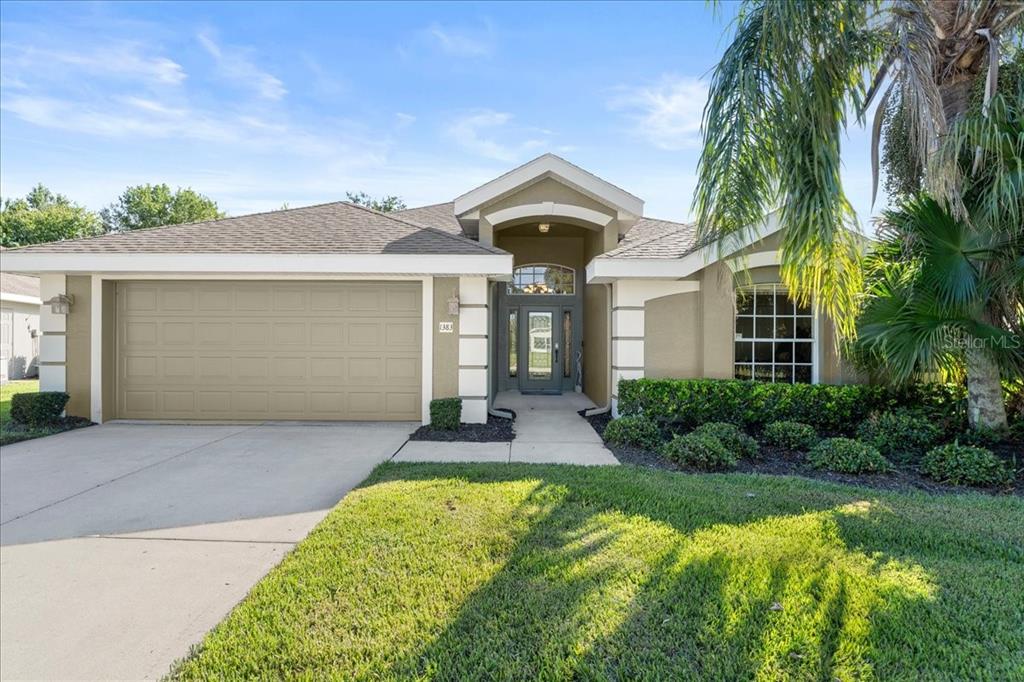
x=668 y=113
x=125 y=60
x=234 y=64
x=403 y=120
x=462 y=42
x=133 y=117
x=476 y=131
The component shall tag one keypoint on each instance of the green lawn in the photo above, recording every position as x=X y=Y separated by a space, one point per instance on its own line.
x=545 y=572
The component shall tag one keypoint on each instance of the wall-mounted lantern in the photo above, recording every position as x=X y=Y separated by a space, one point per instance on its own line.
x=60 y=304
x=453 y=304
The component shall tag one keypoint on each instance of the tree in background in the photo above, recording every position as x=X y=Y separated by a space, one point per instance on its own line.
x=386 y=204
x=43 y=216
x=777 y=110
x=145 y=206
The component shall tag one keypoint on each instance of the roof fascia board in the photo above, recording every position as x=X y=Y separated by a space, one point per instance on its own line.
x=20 y=298
x=355 y=264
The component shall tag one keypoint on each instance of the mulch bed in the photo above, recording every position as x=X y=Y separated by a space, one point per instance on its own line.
x=497 y=429
x=780 y=462
x=13 y=432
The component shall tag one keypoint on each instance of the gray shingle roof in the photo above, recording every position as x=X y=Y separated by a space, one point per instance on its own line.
x=19 y=285
x=441 y=216
x=335 y=228
x=652 y=238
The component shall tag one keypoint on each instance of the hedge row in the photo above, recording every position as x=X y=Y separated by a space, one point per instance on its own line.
x=688 y=403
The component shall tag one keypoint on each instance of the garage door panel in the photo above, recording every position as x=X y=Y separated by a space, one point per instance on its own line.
x=288 y=350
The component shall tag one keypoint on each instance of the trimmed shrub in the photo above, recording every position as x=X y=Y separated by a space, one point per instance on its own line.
x=965 y=465
x=791 y=435
x=699 y=450
x=38 y=409
x=683 y=404
x=445 y=413
x=636 y=431
x=901 y=436
x=847 y=456
x=732 y=437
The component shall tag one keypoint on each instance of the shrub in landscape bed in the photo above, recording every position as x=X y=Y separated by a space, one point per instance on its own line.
x=687 y=403
x=901 y=436
x=38 y=409
x=445 y=413
x=639 y=432
x=732 y=437
x=699 y=450
x=847 y=456
x=965 y=465
x=791 y=435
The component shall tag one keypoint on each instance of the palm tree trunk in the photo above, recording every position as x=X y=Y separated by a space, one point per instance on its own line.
x=985 y=406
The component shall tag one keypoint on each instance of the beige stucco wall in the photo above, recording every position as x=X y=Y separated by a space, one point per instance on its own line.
x=446 y=346
x=78 y=364
x=596 y=334
x=672 y=336
x=562 y=246
x=717 y=320
x=596 y=359
x=547 y=190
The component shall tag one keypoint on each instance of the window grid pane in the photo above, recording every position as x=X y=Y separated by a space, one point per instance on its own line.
x=774 y=336
x=542 y=279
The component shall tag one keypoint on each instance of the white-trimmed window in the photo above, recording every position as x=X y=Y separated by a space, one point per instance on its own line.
x=774 y=336
x=543 y=278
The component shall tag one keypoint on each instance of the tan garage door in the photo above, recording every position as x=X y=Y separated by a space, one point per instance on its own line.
x=268 y=350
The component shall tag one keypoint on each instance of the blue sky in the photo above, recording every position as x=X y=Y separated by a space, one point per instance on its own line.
x=260 y=104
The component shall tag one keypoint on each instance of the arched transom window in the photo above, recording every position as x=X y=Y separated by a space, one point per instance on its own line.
x=543 y=278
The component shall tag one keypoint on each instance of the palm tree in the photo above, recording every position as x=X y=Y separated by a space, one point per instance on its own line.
x=796 y=72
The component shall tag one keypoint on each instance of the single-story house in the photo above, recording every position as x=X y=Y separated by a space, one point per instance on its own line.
x=545 y=279
x=19 y=325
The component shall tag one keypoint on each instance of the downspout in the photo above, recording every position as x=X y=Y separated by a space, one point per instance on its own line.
x=608 y=353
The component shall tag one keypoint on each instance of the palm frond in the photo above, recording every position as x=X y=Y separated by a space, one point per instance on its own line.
x=775 y=117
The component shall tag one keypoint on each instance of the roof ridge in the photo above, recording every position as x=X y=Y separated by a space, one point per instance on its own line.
x=418 y=208
x=420 y=226
x=629 y=247
x=538 y=158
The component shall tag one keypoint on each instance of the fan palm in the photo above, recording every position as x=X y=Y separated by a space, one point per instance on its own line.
x=942 y=295
x=794 y=75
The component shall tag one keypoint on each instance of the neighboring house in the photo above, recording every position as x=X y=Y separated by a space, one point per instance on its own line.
x=19 y=325
x=339 y=312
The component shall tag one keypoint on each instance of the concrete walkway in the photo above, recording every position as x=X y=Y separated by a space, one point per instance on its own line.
x=123 y=544
x=548 y=431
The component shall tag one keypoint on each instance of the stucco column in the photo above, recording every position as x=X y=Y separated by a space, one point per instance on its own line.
x=473 y=353
x=53 y=343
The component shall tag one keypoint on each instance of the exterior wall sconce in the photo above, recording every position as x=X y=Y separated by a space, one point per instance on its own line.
x=544 y=227
x=60 y=304
x=453 y=305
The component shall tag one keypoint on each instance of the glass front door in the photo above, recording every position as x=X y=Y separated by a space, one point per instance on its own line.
x=539 y=357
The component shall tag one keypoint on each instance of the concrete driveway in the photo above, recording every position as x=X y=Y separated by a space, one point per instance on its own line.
x=122 y=544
